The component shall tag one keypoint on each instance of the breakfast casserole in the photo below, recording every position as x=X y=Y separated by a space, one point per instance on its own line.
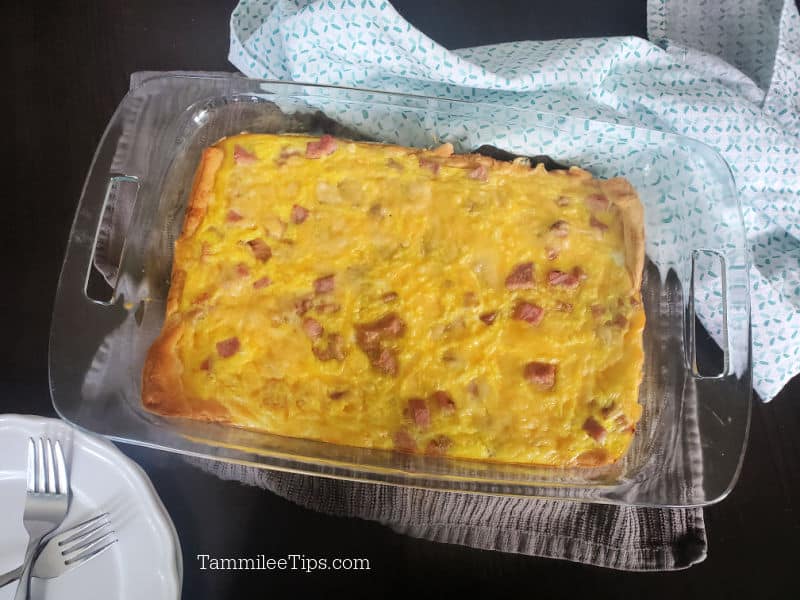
x=423 y=301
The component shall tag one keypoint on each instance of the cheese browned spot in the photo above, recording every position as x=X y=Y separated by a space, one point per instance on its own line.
x=242 y=270
x=262 y=283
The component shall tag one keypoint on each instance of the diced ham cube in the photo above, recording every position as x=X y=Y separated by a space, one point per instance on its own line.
x=598 y=310
x=521 y=277
x=530 y=313
x=262 y=283
x=430 y=164
x=444 y=401
x=242 y=156
x=488 y=317
x=551 y=253
x=543 y=375
x=242 y=270
x=386 y=362
x=595 y=430
x=607 y=411
x=302 y=305
x=389 y=325
x=312 y=328
x=334 y=349
x=597 y=224
x=560 y=228
x=336 y=346
x=562 y=279
x=299 y=214
x=480 y=173
x=471 y=299
x=325 y=308
x=619 y=320
x=206 y=365
x=403 y=442
x=233 y=216
x=438 y=446
x=260 y=249
x=418 y=412
x=325 y=146
x=229 y=347
x=597 y=202
x=324 y=285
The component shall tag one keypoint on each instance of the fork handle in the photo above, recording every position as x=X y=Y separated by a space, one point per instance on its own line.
x=12 y=575
x=23 y=588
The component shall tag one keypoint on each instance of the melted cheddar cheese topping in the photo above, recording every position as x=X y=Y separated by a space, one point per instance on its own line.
x=386 y=297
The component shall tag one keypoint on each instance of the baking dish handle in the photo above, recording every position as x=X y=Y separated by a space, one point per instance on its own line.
x=698 y=256
x=91 y=272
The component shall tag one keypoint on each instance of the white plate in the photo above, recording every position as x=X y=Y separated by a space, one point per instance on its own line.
x=145 y=564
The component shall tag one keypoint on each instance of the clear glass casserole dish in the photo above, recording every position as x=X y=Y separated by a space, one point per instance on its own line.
x=691 y=439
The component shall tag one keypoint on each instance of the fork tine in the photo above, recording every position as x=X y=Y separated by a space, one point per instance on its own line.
x=39 y=466
x=76 y=542
x=31 y=486
x=50 y=475
x=79 y=530
x=61 y=470
x=93 y=549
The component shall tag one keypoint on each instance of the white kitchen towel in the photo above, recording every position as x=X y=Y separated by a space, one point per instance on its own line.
x=724 y=73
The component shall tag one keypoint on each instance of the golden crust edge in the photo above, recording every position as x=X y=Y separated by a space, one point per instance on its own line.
x=162 y=386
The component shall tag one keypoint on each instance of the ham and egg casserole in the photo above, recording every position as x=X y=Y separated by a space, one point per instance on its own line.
x=416 y=300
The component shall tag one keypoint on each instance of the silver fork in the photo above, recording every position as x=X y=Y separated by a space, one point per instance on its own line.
x=46 y=502
x=69 y=549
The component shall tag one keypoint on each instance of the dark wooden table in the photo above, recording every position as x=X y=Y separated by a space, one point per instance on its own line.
x=67 y=66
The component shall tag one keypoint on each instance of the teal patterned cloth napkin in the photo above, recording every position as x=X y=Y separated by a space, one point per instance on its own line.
x=724 y=73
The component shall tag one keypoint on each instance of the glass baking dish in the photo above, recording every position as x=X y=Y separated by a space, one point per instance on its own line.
x=690 y=442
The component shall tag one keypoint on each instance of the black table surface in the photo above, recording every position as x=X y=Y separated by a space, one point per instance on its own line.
x=69 y=64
